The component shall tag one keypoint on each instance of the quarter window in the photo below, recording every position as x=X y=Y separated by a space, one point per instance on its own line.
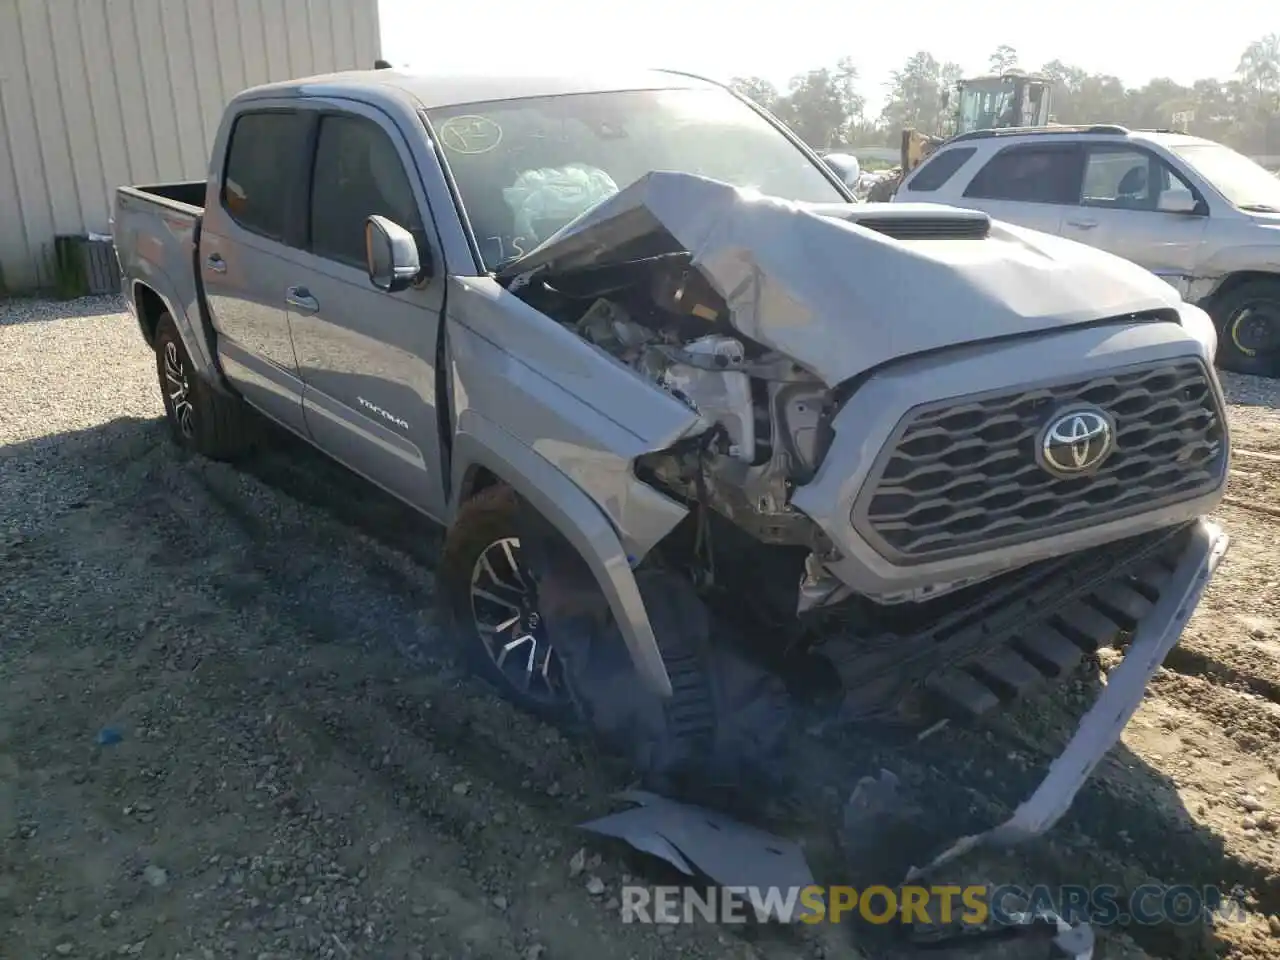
x=1033 y=174
x=264 y=151
x=357 y=174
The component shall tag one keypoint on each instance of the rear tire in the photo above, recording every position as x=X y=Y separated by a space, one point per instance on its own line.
x=1248 y=321
x=200 y=419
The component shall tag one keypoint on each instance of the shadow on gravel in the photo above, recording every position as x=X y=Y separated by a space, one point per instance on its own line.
x=1128 y=826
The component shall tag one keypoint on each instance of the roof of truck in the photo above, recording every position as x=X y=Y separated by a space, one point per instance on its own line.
x=454 y=89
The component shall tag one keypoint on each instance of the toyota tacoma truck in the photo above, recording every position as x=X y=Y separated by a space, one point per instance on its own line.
x=707 y=436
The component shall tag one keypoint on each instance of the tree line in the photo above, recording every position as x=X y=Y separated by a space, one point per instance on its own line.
x=824 y=108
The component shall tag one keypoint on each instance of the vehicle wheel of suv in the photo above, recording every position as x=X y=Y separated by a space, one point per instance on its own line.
x=492 y=604
x=1248 y=320
x=200 y=419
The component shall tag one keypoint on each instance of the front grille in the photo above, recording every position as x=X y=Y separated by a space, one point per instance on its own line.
x=962 y=475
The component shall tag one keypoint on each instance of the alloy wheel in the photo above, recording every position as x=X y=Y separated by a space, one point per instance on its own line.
x=178 y=389
x=504 y=608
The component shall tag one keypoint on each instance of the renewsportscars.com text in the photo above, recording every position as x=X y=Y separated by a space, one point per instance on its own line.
x=970 y=905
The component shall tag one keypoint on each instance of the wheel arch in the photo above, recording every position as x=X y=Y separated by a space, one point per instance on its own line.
x=151 y=299
x=148 y=308
x=484 y=454
x=1234 y=281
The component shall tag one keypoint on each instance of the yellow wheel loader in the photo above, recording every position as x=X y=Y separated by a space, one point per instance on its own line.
x=996 y=102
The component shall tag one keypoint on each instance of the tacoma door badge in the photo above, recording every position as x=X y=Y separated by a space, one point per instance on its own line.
x=389 y=417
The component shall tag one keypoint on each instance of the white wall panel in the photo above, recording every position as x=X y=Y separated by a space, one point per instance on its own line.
x=99 y=93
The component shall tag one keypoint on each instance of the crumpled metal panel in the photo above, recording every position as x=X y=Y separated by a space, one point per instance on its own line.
x=838 y=298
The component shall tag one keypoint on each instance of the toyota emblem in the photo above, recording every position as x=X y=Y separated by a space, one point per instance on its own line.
x=1076 y=442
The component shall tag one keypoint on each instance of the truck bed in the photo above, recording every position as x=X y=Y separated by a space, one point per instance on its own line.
x=156 y=230
x=187 y=193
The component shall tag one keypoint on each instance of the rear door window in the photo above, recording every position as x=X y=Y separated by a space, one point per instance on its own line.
x=358 y=173
x=938 y=169
x=1031 y=174
x=261 y=170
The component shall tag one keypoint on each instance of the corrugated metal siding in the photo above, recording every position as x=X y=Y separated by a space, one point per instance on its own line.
x=99 y=93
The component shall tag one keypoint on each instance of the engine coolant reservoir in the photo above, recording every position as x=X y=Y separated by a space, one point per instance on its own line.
x=719 y=391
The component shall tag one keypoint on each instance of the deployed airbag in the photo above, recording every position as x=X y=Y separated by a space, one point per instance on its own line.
x=555 y=195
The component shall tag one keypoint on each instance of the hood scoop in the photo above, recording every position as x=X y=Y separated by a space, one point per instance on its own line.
x=931 y=228
x=916 y=221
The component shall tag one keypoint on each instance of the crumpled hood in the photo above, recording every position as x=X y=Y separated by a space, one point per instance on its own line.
x=839 y=298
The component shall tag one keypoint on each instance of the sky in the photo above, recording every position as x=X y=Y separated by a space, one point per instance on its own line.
x=1132 y=39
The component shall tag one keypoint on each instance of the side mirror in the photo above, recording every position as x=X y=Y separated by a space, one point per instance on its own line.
x=1177 y=201
x=390 y=254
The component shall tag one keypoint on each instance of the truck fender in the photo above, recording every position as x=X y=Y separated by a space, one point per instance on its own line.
x=157 y=284
x=481 y=443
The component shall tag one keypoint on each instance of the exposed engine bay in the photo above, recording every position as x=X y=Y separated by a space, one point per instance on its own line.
x=765 y=420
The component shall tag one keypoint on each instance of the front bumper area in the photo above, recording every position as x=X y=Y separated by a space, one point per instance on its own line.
x=966 y=654
x=1153 y=637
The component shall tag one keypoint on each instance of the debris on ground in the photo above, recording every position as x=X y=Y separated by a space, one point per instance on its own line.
x=695 y=840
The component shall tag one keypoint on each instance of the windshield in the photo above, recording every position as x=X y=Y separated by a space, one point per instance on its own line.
x=1244 y=183
x=524 y=168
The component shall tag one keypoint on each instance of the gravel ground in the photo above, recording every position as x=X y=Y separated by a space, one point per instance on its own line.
x=302 y=772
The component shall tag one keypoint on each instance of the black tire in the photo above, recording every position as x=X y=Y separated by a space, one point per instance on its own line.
x=201 y=419
x=1248 y=322
x=488 y=519
x=725 y=715
x=883 y=190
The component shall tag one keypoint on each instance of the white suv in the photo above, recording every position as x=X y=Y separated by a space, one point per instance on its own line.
x=1200 y=215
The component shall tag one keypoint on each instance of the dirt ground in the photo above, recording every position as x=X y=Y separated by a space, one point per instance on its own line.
x=293 y=766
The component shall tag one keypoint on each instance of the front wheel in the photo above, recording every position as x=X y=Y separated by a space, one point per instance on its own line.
x=531 y=618
x=1248 y=321
x=492 y=602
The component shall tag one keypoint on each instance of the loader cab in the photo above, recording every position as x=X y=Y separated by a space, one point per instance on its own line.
x=1006 y=100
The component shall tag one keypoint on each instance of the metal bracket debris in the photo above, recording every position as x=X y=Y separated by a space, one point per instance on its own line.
x=694 y=839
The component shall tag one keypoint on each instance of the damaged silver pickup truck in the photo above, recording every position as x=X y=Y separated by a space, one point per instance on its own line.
x=707 y=436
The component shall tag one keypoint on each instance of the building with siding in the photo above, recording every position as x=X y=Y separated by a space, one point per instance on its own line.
x=99 y=93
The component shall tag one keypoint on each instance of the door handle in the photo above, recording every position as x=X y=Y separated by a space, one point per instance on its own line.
x=300 y=298
x=1083 y=224
x=215 y=263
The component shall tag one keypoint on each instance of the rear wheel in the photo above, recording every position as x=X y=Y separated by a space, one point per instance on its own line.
x=1248 y=321
x=200 y=419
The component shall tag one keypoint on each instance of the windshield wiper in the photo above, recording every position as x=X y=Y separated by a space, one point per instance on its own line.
x=1259 y=208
